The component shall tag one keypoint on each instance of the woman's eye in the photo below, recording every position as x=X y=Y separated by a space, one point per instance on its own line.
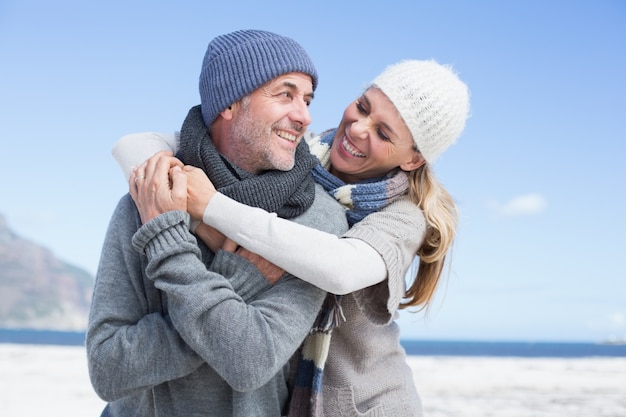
x=383 y=136
x=360 y=107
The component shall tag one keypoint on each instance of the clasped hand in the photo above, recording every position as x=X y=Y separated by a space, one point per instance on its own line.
x=163 y=183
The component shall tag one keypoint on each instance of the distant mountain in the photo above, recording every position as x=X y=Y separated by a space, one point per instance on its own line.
x=38 y=290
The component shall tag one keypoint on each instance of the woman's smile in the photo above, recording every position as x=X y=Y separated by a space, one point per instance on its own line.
x=350 y=149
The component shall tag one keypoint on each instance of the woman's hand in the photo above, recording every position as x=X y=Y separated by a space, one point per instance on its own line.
x=200 y=190
x=210 y=236
x=158 y=185
x=215 y=241
x=271 y=272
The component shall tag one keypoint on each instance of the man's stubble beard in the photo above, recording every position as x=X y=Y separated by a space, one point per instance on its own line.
x=256 y=146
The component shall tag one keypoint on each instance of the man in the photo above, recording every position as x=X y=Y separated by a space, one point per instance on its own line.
x=176 y=329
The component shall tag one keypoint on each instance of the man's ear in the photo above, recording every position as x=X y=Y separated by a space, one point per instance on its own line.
x=229 y=113
x=416 y=161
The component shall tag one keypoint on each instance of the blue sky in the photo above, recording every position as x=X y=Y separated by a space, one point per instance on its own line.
x=538 y=173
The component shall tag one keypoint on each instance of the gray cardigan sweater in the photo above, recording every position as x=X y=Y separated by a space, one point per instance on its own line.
x=366 y=372
x=177 y=331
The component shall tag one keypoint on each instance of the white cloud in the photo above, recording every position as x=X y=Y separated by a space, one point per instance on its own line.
x=617 y=319
x=614 y=321
x=523 y=205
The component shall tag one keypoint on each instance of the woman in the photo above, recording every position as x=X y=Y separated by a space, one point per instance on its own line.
x=377 y=164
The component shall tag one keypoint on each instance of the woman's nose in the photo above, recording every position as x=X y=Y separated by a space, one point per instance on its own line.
x=359 y=127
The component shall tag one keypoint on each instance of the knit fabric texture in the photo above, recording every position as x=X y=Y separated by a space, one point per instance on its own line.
x=237 y=63
x=306 y=397
x=359 y=199
x=286 y=193
x=431 y=99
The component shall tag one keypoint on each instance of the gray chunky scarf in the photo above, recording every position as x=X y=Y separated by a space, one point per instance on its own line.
x=286 y=193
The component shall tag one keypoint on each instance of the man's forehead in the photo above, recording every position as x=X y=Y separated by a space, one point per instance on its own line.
x=297 y=80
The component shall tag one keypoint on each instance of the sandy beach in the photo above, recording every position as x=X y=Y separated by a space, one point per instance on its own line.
x=52 y=380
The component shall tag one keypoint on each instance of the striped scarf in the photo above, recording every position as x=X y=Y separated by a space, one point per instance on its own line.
x=359 y=200
x=306 y=396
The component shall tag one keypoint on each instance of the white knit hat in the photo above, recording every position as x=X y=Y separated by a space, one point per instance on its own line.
x=431 y=99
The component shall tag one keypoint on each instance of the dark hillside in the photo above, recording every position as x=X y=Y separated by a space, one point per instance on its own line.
x=40 y=291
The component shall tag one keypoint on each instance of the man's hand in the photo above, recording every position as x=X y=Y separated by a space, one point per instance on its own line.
x=158 y=185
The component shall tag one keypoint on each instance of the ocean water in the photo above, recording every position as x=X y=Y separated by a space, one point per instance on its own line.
x=513 y=349
x=412 y=347
x=42 y=337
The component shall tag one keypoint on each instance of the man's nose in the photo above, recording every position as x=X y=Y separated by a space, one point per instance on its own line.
x=301 y=113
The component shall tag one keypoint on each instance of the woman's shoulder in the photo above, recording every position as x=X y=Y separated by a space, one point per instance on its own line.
x=401 y=211
x=403 y=204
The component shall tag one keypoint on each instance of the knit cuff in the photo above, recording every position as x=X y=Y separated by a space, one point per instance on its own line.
x=163 y=231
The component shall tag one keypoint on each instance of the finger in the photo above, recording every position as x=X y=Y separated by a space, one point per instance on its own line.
x=189 y=168
x=176 y=162
x=132 y=184
x=168 y=156
x=179 y=186
x=155 y=172
x=132 y=176
x=229 y=245
x=134 y=181
x=162 y=163
x=166 y=153
x=150 y=165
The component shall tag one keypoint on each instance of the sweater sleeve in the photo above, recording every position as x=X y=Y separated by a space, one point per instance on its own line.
x=396 y=232
x=245 y=342
x=370 y=260
x=339 y=266
x=132 y=150
x=131 y=345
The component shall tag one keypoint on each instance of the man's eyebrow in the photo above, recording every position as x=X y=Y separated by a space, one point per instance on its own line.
x=294 y=87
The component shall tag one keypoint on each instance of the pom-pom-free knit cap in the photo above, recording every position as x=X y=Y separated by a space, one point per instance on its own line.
x=237 y=63
x=431 y=99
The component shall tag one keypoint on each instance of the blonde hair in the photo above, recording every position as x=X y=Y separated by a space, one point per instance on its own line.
x=441 y=215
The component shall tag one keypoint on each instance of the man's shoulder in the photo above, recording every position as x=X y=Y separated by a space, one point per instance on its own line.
x=324 y=214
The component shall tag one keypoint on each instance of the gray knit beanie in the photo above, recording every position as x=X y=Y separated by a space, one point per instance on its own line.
x=431 y=99
x=237 y=63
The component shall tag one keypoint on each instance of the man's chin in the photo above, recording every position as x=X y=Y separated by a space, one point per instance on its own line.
x=285 y=167
x=285 y=161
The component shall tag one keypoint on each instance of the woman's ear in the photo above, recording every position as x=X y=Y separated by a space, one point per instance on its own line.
x=415 y=162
